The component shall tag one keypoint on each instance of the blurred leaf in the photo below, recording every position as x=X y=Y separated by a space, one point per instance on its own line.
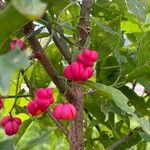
x=108 y=71
x=104 y=39
x=24 y=127
x=138 y=9
x=145 y=136
x=56 y=6
x=29 y=8
x=37 y=141
x=39 y=75
x=7 y=145
x=108 y=9
x=9 y=63
x=143 y=55
x=141 y=146
x=21 y=10
x=143 y=71
x=135 y=138
x=135 y=100
x=121 y=101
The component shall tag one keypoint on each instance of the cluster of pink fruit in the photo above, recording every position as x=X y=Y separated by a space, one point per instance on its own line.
x=81 y=69
x=11 y=125
x=43 y=99
x=17 y=43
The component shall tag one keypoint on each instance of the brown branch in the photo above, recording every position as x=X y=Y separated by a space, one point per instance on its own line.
x=121 y=141
x=27 y=82
x=48 y=66
x=59 y=124
x=18 y=96
x=62 y=48
x=84 y=21
x=61 y=45
x=1 y=4
x=16 y=93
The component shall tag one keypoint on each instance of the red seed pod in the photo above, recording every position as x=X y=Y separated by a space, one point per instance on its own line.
x=76 y=72
x=43 y=104
x=11 y=125
x=33 y=108
x=5 y=120
x=17 y=42
x=44 y=93
x=87 y=57
x=11 y=128
x=57 y=111
x=17 y=120
x=64 y=111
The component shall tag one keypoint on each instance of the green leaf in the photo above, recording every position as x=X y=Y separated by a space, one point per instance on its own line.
x=24 y=127
x=39 y=75
x=9 y=63
x=106 y=73
x=16 y=14
x=36 y=141
x=144 y=136
x=106 y=39
x=29 y=8
x=56 y=6
x=108 y=9
x=135 y=138
x=121 y=101
x=142 y=146
x=7 y=145
x=138 y=9
x=135 y=100
x=143 y=71
x=143 y=55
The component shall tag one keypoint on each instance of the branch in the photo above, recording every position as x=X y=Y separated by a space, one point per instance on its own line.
x=48 y=66
x=121 y=141
x=61 y=45
x=16 y=93
x=1 y=4
x=84 y=21
x=13 y=96
x=59 y=124
x=27 y=82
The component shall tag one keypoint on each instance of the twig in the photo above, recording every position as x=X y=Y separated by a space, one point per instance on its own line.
x=121 y=141
x=16 y=92
x=84 y=21
x=61 y=45
x=13 y=96
x=59 y=124
x=48 y=66
x=1 y=4
x=134 y=85
x=27 y=82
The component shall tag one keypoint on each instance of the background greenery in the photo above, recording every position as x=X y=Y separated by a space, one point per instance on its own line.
x=120 y=34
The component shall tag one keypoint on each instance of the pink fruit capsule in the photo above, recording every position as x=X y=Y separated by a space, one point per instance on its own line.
x=33 y=108
x=17 y=43
x=64 y=111
x=5 y=120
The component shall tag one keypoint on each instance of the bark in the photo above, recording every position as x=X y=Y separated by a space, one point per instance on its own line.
x=76 y=131
x=73 y=92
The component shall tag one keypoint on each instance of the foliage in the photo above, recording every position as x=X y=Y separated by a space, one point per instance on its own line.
x=119 y=31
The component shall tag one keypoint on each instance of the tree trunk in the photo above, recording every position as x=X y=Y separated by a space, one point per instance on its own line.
x=76 y=131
